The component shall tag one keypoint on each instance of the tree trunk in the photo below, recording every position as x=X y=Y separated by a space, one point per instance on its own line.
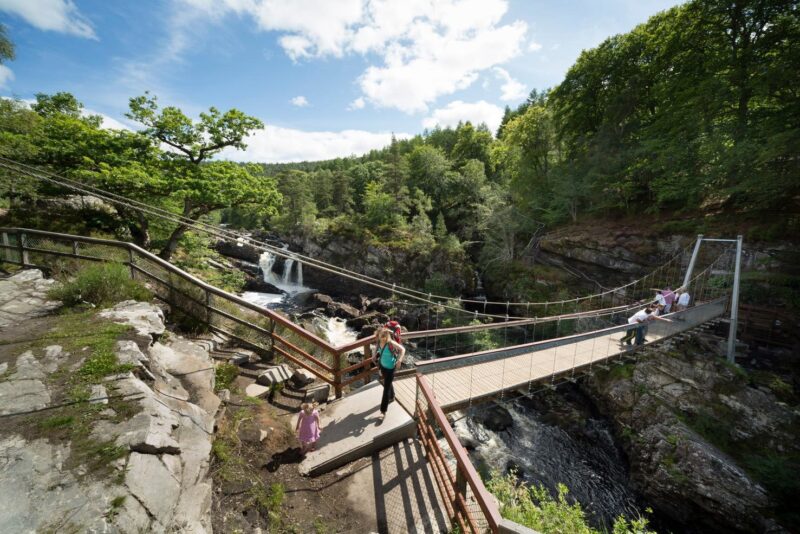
x=141 y=231
x=172 y=242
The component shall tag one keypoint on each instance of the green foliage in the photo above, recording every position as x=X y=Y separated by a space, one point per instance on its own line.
x=6 y=46
x=225 y=374
x=534 y=507
x=101 y=284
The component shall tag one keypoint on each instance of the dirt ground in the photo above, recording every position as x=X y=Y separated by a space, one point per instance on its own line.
x=257 y=483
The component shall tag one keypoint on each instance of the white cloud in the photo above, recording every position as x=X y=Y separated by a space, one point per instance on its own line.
x=358 y=103
x=511 y=88
x=51 y=15
x=274 y=144
x=427 y=48
x=6 y=76
x=534 y=46
x=109 y=123
x=459 y=111
x=300 y=101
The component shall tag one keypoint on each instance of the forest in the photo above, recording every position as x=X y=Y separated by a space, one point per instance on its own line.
x=691 y=116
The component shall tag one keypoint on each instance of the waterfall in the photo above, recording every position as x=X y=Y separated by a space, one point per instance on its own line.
x=287 y=271
x=266 y=261
x=299 y=273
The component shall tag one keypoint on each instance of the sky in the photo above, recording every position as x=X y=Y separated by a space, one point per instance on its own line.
x=328 y=78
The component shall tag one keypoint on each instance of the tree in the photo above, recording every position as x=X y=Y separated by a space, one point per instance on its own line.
x=199 y=186
x=6 y=46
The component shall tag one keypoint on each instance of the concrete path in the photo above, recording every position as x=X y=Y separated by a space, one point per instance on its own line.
x=351 y=430
x=399 y=486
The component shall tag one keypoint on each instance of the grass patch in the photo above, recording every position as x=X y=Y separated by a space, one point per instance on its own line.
x=57 y=421
x=225 y=374
x=101 y=284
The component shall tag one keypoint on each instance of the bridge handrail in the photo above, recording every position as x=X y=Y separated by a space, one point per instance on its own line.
x=466 y=473
x=460 y=360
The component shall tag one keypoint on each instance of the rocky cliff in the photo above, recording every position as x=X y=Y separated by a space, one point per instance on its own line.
x=706 y=446
x=123 y=452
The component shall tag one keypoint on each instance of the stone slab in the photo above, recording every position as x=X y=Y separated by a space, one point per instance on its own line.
x=319 y=393
x=276 y=375
x=352 y=430
x=256 y=390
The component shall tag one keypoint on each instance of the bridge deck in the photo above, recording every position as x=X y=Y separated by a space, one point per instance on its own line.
x=462 y=383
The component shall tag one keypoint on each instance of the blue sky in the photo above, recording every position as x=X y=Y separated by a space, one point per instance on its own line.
x=328 y=77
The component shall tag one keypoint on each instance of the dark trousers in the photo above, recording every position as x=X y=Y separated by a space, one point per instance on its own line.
x=638 y=332
x=388 y=388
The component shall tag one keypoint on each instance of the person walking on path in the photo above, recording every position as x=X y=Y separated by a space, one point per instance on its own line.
x=640 y=320
x=388 y=356
x=308 y=427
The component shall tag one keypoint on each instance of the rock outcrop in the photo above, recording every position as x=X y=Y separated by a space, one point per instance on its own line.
x=162 y=482
x=669 y=409
x=24 y=296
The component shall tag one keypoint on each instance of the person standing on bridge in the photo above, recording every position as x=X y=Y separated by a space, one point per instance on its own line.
x=640 y=320
x=683 y=299
x=388 y=356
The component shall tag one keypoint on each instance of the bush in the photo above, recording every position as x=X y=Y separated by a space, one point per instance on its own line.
x=534 y=507
x=100 y=284
x=225 y=373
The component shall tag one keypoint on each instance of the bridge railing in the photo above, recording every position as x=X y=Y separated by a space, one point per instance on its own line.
x=468 y=503
x=196 y=301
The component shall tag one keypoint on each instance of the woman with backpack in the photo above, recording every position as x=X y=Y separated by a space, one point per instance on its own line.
x=388 y=356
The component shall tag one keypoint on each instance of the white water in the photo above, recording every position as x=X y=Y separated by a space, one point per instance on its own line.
x=335 y=330
x=546 y=454
x=285 y=282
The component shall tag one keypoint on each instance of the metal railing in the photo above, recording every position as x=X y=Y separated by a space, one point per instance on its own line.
x=467 y=501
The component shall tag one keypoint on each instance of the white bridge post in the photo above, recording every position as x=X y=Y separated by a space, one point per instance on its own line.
x=735 y=302
x=690 y=268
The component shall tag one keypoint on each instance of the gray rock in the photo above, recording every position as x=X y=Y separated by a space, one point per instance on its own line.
x=340 y=309
x=129 y=353
x=256 y=390
x=153 y=485
x=23 y=296
x=495 y=418
x=276 y=375
x=98 y=394
x=146 y=319
x=24 y=390
x=302 y=377
x=318 y=393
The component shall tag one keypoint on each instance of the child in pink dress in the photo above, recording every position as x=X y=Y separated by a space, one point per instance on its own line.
x=308 y=426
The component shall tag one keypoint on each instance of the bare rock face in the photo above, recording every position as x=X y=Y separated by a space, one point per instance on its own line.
x=146 y=319
x=24 y=389
x=664 y=405
x=24 y=296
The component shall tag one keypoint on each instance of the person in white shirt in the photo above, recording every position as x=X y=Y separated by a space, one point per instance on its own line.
x=640 y=320
x=683 y=300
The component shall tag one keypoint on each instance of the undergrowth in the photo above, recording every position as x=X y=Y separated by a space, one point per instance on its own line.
x=100 y=284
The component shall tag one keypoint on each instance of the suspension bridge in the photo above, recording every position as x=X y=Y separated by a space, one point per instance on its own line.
x=544 y=343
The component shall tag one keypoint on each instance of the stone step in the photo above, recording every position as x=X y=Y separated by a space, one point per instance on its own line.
x=230 y=357
x=254 y=370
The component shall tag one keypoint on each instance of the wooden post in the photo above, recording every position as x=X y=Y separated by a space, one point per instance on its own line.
x=367 y=357
x=74 y=248
x=7 y=250
x=23 y=254
x=461 y=484
x=130 y=263
x=208 y=307
x=337 y=374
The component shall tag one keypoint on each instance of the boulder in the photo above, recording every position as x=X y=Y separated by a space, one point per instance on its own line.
x=373 y=317
x=367 y=330
x=380 y=305
x=342 y=310
x=302 y=377
x=321 y=300
x=129 y=353
x=259 y=284
x=318 y=393
x=146 y=319
x=495 y=418
x=276 y=375
x=24 y=296
x=153 y=484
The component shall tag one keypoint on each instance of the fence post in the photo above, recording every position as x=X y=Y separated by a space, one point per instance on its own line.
x=367 y=357
x=461 y=483
x=208 y=307
x=74 y=248
x=130 y=263
x=6 y=243
x=337 y=374
x=23 y=254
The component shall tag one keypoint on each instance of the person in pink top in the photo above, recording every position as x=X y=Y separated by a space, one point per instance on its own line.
x=308 y=427
x=669 y=299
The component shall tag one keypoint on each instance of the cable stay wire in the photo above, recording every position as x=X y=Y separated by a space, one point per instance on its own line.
x=232 y=236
